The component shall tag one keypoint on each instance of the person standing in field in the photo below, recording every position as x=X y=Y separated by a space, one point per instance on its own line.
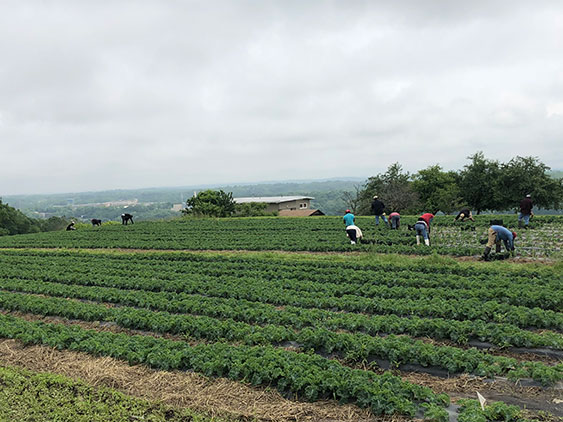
x=395 y=220
x=422 y=228
x=352 y=231
x=378 y=208
x=495 y=235
x=463 y=214
x=525 y=211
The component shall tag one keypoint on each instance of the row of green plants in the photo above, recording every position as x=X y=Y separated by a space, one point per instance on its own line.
x=315 y=234
x=382 y=285
x=43 y=397
x=306 y=375
x=170 y=266
x=286 y=293
x=548 y=298
x=352 y=347
x=460 y=332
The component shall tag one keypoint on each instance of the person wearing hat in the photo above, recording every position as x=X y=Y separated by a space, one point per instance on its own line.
x=496 y=234
x=463 y=214
x=352 y=231
x=70 y=226
x=377 y=207
x=525 y=211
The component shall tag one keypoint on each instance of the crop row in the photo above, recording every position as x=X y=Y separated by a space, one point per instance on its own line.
x=390 y=275
x=309 y=376
x=287 y=292
x=353 y=347
x=297 y=318
x=545 y=297
x=317 y=268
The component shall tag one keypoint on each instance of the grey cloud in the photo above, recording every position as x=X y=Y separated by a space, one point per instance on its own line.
x=97 y=95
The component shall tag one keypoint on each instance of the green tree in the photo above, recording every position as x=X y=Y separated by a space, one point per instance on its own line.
x=252 y=209
x=211 y=203
x=13 y=221
x=480 y=183
x=437 y=190
x=528 y=175
x=393 y=187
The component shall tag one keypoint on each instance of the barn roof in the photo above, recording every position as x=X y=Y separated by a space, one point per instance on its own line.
x=270 y=199
x=299 y=213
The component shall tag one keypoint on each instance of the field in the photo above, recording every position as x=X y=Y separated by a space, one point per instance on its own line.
x=262 y=334
x=318 y=234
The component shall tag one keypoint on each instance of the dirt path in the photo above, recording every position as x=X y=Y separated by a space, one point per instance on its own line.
x=469 y=259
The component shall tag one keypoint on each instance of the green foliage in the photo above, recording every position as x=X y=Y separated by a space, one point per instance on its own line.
x=210 y=203
x=480 y=183
x=393 y=187
x=494 y=412
x=39 y=397
x=437 y=190
x=309 y=376
x=13 y=221
x=252 y=209
x=527 y=175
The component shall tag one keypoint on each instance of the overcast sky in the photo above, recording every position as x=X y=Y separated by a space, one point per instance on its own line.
x=100 y=95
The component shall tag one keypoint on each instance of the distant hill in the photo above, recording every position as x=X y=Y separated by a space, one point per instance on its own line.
x=155 y=203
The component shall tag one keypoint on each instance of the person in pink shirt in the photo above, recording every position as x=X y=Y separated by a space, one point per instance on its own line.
x=422 y=228
x=394 y=220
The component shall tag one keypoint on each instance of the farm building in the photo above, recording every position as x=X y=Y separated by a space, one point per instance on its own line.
x=300 y=213
x=279 y=203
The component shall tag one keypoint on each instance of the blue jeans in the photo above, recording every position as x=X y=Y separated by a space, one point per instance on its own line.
x=395 y=222
x=377 y=219
x=421 y=230
x=525 y=217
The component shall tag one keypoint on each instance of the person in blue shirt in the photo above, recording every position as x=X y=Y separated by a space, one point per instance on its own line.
x=496 y=235
x=352 y=231
x=349 y=218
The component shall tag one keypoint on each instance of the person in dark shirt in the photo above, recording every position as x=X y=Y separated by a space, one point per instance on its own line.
x=463 y=214
x=377 y=208
x=70 y=226
x=525 y=211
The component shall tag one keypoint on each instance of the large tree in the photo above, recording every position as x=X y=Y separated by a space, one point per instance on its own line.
x=528 y=175
x=437 y=190
x=211 y=203
x=393 y=187
x=480 y=183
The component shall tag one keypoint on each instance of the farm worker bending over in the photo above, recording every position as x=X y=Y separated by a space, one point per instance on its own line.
x=422 y=228
x=70 y=226
x=352 y=231
x=463 y=214
x=395 y=220
x=377 y=207
x=496 y=234
x=525 y=211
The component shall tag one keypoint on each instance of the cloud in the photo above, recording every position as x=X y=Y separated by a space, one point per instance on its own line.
x=145 y=93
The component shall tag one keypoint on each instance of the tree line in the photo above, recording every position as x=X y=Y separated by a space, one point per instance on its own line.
x=482 y=185
x=13 y=221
